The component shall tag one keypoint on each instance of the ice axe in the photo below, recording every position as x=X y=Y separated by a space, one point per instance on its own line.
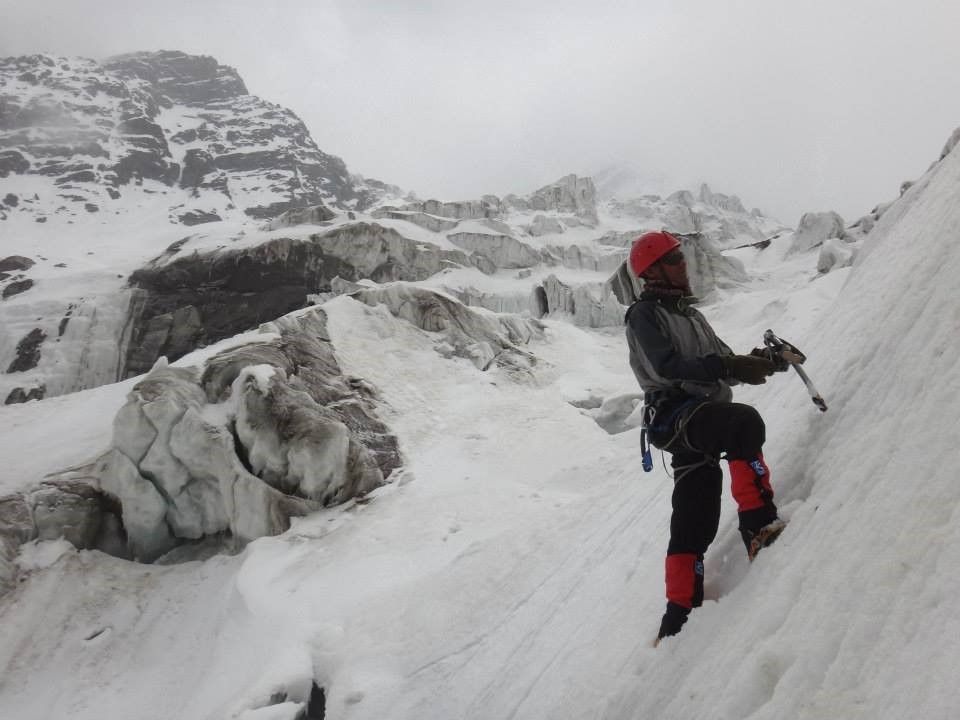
x=782 y=351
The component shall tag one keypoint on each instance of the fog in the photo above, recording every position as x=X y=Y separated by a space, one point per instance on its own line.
x=792 y=106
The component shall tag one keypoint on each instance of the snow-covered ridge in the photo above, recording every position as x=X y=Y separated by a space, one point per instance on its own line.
x=94 y=132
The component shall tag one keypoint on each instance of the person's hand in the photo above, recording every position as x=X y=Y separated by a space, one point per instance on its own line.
x=780 y=363
x=750 y=369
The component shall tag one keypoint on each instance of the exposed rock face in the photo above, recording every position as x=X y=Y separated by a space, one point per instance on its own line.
x=182 y=120
x=175 y=77
x=16 y=287
x=14 y=263
x=13 y=162
x=198 y=217
x=297 y=436
x=20 y=395
x=80 y=126
x=28 y=351
x=313 y=215
x=814 y=229
x=199 y=299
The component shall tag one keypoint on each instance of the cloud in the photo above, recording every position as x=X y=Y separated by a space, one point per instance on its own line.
x=793 y=106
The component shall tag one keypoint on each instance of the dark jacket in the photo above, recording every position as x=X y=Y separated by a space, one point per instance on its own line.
x=674 y=352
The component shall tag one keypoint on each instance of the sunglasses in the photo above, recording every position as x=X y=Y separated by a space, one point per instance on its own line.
x=674 y=257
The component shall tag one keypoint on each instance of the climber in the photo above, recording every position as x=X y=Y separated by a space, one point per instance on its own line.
x=686 y=372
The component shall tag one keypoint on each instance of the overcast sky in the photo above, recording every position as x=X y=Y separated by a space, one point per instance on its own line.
x=793 y=106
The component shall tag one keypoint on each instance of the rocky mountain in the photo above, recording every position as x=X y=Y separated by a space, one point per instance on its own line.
x=150 y=206
x=78 y=135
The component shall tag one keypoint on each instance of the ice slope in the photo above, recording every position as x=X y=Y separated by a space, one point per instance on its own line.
x=515 y=569
x=855 y=612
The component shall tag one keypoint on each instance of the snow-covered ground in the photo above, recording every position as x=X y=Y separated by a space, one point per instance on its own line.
x=514 y=569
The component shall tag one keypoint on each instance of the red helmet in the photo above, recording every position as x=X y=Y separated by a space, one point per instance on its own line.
x=650 y=247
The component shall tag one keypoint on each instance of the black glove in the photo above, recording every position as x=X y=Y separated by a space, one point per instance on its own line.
x=779 y=364
x=750 y=369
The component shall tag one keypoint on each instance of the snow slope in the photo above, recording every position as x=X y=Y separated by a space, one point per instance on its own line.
x=515 y=569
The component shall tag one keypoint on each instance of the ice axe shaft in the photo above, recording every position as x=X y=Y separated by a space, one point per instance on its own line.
x=791 y=355
x=814 y=395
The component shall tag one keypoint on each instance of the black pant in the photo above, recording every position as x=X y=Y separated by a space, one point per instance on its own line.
x=713 y=428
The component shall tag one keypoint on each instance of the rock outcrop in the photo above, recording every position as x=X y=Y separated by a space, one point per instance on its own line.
x=312 y=215
x=28 y=351
x=98 y=131
x=14 y=263
x=187 y=300
x=15 y=287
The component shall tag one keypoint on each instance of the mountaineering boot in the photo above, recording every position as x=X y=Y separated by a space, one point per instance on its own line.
x=756 y=540
x=673 y=620
x=684 y=581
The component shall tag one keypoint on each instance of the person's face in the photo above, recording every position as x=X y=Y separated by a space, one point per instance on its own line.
x=672 y=270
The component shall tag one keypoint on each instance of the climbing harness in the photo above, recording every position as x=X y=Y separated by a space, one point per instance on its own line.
x=679 y=418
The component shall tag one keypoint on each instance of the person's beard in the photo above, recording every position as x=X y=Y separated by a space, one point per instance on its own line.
x=668 y=280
